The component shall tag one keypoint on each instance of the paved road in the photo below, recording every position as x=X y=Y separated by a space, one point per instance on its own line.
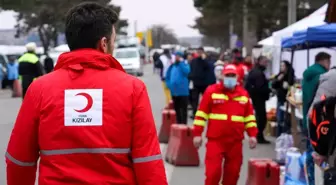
x=176 y=175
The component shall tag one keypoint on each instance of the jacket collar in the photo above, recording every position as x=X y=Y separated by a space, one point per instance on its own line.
x=77 y=60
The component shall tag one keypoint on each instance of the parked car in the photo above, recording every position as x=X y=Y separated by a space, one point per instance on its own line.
x=131 y=60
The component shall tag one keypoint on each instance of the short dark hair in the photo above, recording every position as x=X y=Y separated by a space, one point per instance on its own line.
x=87 y=23
x=322 y=56
x=261 y=57
x=200 y=48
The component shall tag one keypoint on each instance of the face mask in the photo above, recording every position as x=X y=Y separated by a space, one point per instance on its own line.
x=230 y=82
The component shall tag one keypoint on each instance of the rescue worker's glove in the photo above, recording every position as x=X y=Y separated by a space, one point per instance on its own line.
x=252 y=142
x=197 y=141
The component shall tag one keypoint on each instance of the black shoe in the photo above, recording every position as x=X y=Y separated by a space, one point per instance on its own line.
x=263 y=141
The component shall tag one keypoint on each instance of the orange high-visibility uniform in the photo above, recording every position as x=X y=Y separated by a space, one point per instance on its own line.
x=229 y=113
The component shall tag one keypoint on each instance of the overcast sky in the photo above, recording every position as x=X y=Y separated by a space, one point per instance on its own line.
x=176 y=14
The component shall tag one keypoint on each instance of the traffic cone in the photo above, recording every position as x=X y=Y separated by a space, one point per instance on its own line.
x=17 y=90
x=181 y=150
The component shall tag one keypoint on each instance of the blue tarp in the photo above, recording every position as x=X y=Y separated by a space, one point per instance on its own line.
x=299 y=37
x=325 y=34
x=287 y=42
x=313 y=37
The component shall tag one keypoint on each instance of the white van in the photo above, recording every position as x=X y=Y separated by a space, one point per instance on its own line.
x=130 y=59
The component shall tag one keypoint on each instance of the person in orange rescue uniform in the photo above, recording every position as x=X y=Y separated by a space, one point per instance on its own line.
x=229 y=112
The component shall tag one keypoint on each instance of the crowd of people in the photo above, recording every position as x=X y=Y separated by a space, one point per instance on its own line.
x=113 y=139
x=25 y=68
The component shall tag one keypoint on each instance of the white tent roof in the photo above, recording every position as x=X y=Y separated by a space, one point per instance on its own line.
x=269 y=41
x=314 y=19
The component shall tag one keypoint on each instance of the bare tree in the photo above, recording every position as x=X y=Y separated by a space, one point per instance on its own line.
x=163 y=35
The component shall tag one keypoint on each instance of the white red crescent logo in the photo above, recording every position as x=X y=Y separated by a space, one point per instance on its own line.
x=89 y=102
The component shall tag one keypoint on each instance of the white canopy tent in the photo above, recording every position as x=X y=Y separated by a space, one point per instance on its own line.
x=315 y=19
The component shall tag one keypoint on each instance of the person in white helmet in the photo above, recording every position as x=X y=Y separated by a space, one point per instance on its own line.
x=29 y=67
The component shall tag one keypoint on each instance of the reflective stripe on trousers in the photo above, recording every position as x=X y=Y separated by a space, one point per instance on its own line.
x=100 y=151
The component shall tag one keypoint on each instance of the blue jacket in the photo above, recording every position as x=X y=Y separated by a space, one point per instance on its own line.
x=13 y=71
x=177 y=79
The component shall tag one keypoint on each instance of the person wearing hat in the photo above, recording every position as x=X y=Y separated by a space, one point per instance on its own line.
x=227 y=108
x=178 y=84
x=29 y=67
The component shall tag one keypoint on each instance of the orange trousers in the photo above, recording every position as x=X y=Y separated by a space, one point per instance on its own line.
x=216 y=152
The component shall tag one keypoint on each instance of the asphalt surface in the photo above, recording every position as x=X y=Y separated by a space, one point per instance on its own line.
x=9 y=108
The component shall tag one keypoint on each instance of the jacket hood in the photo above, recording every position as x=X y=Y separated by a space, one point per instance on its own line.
x=87 y=58
x=313 y=71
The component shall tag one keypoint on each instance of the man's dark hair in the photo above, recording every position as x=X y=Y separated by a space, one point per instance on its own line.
x=322 y=56
x=261 y=57
x=87 y=23
x=200 y=49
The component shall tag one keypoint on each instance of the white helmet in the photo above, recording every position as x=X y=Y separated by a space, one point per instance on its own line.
x=31 y=46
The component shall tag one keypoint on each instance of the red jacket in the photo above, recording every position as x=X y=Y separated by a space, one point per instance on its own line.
x=241 y=69
x=229 y=114
x=89 y=123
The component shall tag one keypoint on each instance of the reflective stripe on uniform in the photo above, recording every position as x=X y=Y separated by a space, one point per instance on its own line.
x=147 y=159
x=237 y=118
x=202 y=114
x=199 y=122
x=17 y=162
x=20 y=78
x=249 y=118
x=218 y=116
x=86 y=150
x=242 y=99
x=251 y=125
x=219 y=96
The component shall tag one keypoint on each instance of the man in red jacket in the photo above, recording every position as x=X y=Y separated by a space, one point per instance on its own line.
x=241 y=68
x=88 y=121
x=229 y=112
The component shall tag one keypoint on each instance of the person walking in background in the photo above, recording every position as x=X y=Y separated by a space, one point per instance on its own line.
x=326 y=89
x=238 y=61
x=88 y=121
x=229 y=112
x=211 y=60
x=156 y=61
x=248 y=64
x=166 y=60
x=281 y=84
x=2 y=74
x=310 y=83
x=29 y=67
x=48 y=64
x=12 y=71
x=219 y=66
x=199 y=77
x=178 y=83
x=257 y=86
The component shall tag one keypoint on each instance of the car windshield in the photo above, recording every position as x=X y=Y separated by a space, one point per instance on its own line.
x=126 y=54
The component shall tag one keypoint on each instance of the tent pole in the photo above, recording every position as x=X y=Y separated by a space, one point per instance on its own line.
x=308 y=58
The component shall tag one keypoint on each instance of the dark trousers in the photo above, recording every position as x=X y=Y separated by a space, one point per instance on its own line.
x=181 y=108
x=259 y=106
x=26 y=81
x=195 y=96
